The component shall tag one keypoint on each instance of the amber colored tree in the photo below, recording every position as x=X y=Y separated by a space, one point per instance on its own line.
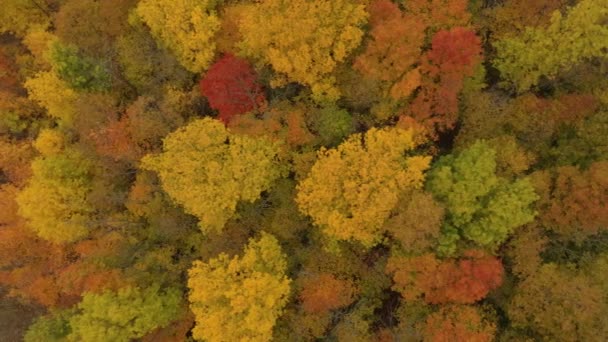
x=231 y=87
x=440 y=14
x=324 y=292
x=464 y=281
x=577 y=207
x=186 y=28
x=303 y=41
x=459 y=323
x=239 y=298
x=559 y=304
x=395 y=46
x=352 y=189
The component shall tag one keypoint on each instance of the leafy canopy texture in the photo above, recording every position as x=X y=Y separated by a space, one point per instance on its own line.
x=352 y=189
x=231 y=87
x=208 y=170
x=55 y=200
x=186 y=27
x=304 y=40
x=567 y=41
x=239 y=299
x=80 y=72
x=481 y=206
x=124 y=315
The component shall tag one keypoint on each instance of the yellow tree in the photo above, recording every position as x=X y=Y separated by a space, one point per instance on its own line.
x=352 y=189
x=208 y=170
x=239 y=299
x=303 y=40
x=54 y=94
x=186 y=27
x=55 y=201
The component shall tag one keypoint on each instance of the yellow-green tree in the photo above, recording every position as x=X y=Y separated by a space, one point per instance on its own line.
x=55 y=200
x=186 y=27
x=352 y=189
x=304 y=40
x=240 y=298
x=208 y=170
x=567 y=41
x=54 y=94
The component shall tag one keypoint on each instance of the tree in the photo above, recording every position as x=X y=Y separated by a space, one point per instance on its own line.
x=459 y=323
x=352 y=189
x=577 y=207
x=78 y=71
x=53 y=94
x=396 y=45
x=55 y=200
x=303 y=41
x=462 y=281
x=481 y=206
x=324 y=292
x=127 y=314
x=18 y=16
x=231 y=87
x=185 y=27
x=567 y=41
x=416 y=221
x=240 y=298
x=208 y=170
x=453 y=56
x=560 y=305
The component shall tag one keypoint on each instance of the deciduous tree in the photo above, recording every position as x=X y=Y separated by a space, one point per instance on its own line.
x=481 y=206
x=208 y=170
x=567 y=41
x=240 y=298
x=304 y=41
x=352 y=189
x=185 y=27
x=232 y=88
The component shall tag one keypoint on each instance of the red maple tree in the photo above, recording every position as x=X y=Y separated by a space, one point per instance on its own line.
x=231 y=87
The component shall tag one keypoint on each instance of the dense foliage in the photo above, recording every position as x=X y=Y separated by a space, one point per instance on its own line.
x=304 y=170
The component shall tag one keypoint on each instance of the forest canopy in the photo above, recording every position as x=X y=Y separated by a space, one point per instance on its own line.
x=304 y=170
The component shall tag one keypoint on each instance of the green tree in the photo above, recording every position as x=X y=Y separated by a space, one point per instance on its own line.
x=567 y=41
x=240 y=298
x=124 y=315
x=208 y=170
x=480 y=206
x=352 y=189
x=80 y=72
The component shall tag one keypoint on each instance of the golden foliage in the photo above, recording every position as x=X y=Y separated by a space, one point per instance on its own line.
x=186 y=27
x=208 y=170
x=352 y=189
x=304 y=41
x=239 y=299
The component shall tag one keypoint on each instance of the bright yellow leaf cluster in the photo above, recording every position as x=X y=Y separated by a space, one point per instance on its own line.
x=208 y=170
x=55 y=200
x=304 y=40
x=352 y=189
x=239 y=299
x=52 y=93
x=186 y=27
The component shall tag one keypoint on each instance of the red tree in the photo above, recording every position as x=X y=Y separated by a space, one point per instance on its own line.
x=453 y=56
x=461 y=281
x=231 y=87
